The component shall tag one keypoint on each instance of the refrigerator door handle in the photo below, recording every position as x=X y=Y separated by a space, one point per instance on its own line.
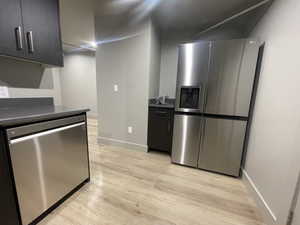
x=202 y=136
x=201 y=94
x=205 y=94
x=44 y=133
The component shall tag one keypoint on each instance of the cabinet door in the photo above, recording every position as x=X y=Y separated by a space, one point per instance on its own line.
x=11 y=33
x=42 y=31
x=231 y=77
x=160 y=130
x=222 y=145
x=223 y=82
x=186 y=139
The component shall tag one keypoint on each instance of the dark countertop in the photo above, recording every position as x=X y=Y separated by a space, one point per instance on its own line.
x=170 y=104
x=16 y=116
x=11 y=115
x=166 y=106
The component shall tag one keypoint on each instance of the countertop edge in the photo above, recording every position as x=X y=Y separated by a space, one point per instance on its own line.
x=39 y=118
x=161 y=106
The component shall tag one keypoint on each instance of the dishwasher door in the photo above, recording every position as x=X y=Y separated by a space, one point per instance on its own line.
x=49 y=164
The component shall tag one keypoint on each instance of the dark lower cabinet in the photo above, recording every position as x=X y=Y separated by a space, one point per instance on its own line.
x=160 y=129
x=9 y=214
x=30 y=30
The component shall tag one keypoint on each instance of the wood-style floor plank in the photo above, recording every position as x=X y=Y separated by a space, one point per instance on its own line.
x=135 y=188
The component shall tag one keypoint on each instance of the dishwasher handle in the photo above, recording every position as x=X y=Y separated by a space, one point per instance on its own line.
x=44 y=133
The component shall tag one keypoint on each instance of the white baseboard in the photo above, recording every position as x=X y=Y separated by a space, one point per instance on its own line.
x=268 y=214
x=124 y=144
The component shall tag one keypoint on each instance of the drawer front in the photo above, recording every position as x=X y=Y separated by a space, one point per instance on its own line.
x=186 y=139
x=222 y=145
x=161 y=112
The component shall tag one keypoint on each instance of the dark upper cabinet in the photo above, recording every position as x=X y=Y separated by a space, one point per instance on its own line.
x=42 y=31
x=160 y=129
x=11 y=29
x=36 y=28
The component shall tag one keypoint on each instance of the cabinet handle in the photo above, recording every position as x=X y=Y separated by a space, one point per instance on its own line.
x=161 y=112
x=19 y=39
x=44 y=133
x=30 y=42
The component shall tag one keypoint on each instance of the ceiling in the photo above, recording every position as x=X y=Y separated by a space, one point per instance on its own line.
x=172 y=15
x=197 y=14
x=241 y=25
x=186 y=17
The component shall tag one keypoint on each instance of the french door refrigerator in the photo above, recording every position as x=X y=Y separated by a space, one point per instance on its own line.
x=213 y=95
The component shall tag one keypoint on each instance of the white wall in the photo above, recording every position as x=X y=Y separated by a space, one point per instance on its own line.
x=78 y=81
x=25 y=80
x=273 y=152
x=155 y=56
x=168 y=68
x=54 y=92
x=77 y=21
x=125 y=63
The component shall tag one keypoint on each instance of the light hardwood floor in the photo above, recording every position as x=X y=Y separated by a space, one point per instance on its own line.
x=134 y=188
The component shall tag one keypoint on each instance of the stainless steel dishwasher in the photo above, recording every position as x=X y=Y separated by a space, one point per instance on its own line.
x=49 y=160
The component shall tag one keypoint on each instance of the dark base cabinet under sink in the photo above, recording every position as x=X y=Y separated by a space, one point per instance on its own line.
x=160 y=129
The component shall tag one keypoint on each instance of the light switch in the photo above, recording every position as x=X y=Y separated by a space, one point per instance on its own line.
x=4 y=92
x=130 y=130
x=116 y=88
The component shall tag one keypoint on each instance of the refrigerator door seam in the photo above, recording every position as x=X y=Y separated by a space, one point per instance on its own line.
x=238 y=80
x=202 y=136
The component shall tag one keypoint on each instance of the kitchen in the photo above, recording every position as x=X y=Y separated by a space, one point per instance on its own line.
x=86 y=80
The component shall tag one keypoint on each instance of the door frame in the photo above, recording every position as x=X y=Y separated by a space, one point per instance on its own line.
x=295 y=205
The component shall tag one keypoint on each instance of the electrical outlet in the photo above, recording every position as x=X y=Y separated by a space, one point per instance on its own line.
x=116 y=88
x=130 y=130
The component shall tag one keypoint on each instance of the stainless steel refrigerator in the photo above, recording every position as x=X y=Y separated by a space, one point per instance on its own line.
x=213 y=94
